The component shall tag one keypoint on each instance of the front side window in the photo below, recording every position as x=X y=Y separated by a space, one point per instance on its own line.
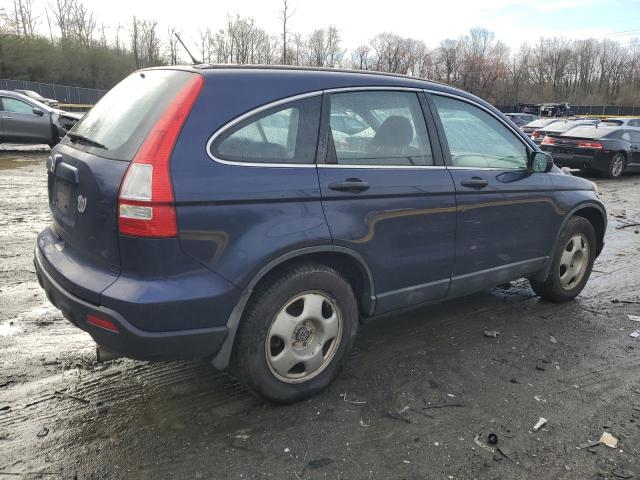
x=283 y=134
x=477 y=139
x=379 y=128
x=16 y=106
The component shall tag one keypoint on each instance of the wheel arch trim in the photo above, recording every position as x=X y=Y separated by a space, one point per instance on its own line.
x=222 y=358
x=589 y=204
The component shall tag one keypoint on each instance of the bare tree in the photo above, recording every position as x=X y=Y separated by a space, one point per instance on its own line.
x=360 y=57
x=285 y=14
x=24 y=19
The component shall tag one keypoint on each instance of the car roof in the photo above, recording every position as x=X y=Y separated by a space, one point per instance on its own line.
x=292 y=80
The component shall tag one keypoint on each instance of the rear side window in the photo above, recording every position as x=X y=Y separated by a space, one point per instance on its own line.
x=284 y=134
x=632 y=137
x=124 y=116
x=477 y=139
x=15 y=106
x=384 y=128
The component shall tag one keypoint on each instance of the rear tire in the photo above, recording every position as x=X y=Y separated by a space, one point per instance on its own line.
x=616 y=166
x=571 y=263
x=296 y=333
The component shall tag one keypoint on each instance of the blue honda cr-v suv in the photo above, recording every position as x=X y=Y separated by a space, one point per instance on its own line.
x=253 y=215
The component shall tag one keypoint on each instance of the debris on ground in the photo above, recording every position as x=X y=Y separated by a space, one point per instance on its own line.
x=491 y=333
x=541 y=422
x=398 y=415
x=609 y=440
x=584 y=445
x=483 y=445
x=318 y=463
x=553 y=339
x=42 y=432
x=634 y=318
x=635 y=333
x=353 y=402
x=622 y=473
x=492 y=439
x=443 y=405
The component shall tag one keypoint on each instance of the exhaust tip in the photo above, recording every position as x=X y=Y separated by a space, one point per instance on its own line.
x=104 y=355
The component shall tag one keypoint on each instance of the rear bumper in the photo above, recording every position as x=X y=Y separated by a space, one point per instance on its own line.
x=129 y=341
x=594 y=160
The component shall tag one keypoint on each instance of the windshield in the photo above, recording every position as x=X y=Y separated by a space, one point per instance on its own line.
x=122 y=118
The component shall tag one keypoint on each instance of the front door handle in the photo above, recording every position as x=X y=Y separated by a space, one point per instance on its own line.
x=7 y=116
x=353 y=185
x=475 y=182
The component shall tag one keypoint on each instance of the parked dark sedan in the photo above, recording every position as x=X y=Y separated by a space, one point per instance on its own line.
x=25 y=120
x=608 y=150
x=257 y=234
x=559 y=127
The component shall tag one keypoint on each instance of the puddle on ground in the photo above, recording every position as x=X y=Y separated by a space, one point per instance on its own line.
x=16 y=156
x=11 y=163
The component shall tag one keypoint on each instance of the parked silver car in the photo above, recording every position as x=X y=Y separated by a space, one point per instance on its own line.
x=25 y=120
x=36 y=96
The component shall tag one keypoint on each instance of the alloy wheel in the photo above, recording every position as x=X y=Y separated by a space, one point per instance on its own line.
x=617 y=165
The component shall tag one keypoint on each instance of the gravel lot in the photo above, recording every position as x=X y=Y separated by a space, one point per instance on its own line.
x=417 y=399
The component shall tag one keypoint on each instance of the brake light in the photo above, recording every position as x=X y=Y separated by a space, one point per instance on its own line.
x=146 y=203
x=547 y=140
x=597 y=145
x=535 y=134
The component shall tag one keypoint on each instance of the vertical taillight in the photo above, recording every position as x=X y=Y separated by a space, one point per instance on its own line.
x=146 y=203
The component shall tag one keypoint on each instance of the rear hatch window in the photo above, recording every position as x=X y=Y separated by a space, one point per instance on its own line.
x=121 y=120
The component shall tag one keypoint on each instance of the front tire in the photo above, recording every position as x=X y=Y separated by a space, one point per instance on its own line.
x=571 y=263
x=616 y=166
x=296 y=333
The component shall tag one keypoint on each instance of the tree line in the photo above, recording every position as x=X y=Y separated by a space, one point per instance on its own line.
x=79 y=50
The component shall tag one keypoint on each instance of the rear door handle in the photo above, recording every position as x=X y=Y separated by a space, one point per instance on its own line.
x=475 y=182
x=353 y=185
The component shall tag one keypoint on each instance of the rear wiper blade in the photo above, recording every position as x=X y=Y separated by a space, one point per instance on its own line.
x=77 y=136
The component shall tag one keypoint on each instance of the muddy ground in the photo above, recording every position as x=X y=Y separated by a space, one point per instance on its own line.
x=446 y=384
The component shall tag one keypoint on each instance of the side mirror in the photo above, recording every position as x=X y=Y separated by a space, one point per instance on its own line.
x=540 y=162
x=37 y=111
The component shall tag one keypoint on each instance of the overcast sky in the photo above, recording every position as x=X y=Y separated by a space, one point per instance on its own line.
x=513 y=21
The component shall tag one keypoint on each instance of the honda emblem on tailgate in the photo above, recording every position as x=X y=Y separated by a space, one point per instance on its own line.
x=82 y=203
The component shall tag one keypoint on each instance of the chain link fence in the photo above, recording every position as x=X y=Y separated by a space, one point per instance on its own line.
x=63 y=93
